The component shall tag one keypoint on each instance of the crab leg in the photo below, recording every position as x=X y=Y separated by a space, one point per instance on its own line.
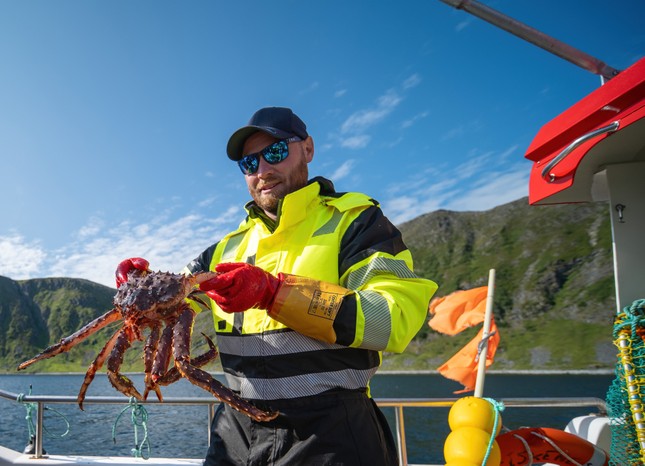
x=162 y=358
x=173 y=374
x=68 y=342
x=95 y=366
x=118 y=380
x=150 y=352
x=181 y=352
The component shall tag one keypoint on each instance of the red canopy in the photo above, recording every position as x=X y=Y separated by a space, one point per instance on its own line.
x=605 y=127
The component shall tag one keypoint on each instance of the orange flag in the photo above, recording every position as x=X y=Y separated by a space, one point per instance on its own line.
x=455 y=313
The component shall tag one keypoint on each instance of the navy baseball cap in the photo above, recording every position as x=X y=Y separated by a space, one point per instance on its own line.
x=279 y=122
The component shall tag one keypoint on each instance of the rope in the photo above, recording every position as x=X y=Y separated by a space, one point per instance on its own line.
x=557 y=448
x=527 y=448
x=30 y=407
x=483 y=342
x=498 y=407
x=634 y=318
x=626 y=334
x=138 y=418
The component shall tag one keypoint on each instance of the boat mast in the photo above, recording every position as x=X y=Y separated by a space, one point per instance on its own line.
x=521 y=30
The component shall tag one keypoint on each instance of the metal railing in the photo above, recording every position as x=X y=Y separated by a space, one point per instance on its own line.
x=398 y=404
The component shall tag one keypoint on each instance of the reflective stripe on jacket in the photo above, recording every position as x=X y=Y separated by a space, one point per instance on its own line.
x=340 y=238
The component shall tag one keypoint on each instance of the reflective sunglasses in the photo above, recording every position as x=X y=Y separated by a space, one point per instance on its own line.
x=275 y=153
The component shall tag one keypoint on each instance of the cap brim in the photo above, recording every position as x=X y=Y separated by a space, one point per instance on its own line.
x=235 y=145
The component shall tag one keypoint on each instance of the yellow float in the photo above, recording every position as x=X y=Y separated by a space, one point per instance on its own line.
x=473 y=420
x=472 y=411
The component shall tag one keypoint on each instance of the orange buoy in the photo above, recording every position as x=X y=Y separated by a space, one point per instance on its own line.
x=545 y=445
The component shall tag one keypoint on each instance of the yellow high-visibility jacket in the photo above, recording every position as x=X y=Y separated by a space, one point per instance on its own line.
x=343 y=239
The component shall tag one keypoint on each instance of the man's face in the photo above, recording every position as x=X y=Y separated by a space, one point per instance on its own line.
x=273 y=182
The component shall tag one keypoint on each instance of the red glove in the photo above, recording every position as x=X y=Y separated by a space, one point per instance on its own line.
x=240 y=286
x=128 y=265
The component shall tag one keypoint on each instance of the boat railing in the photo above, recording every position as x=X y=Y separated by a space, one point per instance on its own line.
x=398 y=404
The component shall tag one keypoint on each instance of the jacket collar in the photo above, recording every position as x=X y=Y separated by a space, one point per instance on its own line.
x=292 y=205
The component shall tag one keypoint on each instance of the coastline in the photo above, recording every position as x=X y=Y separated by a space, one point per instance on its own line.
x=390 y=372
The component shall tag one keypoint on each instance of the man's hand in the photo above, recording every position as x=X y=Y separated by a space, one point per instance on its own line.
x=240 y=286
x=128 y=265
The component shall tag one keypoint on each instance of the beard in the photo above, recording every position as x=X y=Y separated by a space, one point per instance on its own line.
x=287 y=184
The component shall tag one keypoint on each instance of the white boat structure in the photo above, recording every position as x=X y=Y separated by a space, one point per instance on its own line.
x=593 y=151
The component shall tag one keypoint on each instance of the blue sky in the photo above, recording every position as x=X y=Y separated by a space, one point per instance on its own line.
x=114 y=116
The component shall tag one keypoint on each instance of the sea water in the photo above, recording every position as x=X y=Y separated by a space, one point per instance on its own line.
x=182 y=431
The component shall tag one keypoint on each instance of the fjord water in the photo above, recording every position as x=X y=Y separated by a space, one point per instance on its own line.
x=182 y=431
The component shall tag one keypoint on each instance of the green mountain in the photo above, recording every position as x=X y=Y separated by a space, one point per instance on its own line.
x=37 y=313
x=554 y=296
x=554 y=299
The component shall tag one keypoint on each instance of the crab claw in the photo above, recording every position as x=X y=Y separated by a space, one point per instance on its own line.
x=128 y=265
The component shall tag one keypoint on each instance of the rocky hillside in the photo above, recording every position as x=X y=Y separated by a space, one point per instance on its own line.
x=554 y=294
x=554 y=297
x=554 y=260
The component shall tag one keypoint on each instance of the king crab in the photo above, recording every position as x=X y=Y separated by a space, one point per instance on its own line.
x=154 y=301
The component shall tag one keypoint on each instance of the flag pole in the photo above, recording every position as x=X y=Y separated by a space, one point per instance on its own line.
x=488 y=316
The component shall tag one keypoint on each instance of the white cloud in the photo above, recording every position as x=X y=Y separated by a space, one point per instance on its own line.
x=342 y=171
x=324 y=147
x=394 y=143
x=94 y=225
x=20 y=259
x=397 y=207
x=389 y=101
x=453 y=133
x=496 y=189
x=207 y=202
x=412 y=81
x=410 y=121
x=474 y=165
x=480 y=183
x=462 y=25
x=358 y=123
x=312 y=87
x=353 y=132
x=508 y=152
x=97 y=250
x=364 y=119
x=356 y=142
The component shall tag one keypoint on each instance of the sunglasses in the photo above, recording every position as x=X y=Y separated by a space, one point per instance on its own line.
x=275 y=153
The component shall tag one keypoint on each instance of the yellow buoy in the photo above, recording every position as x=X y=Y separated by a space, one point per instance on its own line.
x=472 y=411
x=469 y=444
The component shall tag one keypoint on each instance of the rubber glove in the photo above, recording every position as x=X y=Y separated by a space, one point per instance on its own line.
x=303 y=304
x=128 y=265
x=240 y=286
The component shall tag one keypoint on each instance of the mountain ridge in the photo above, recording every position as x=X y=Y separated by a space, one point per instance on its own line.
x=554 y=288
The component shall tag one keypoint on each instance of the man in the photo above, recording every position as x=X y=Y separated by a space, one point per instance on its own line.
x=312 y=287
